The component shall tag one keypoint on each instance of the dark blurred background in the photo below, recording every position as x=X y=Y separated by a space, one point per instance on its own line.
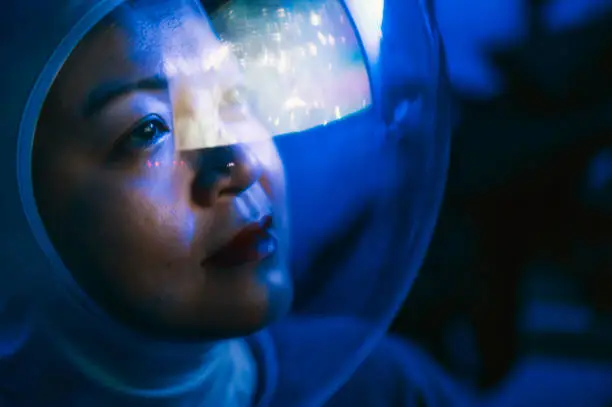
x=521 y=263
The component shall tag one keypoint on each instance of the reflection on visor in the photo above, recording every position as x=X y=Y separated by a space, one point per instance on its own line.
x=208 y=107
x=293 y=67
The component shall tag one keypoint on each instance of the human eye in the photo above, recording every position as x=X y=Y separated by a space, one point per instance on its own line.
x=145 y=135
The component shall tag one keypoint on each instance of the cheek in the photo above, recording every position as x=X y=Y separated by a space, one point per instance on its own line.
x=146 y=218
x=139 y=238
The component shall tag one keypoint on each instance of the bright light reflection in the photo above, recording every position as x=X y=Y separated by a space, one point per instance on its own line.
x=368 y=16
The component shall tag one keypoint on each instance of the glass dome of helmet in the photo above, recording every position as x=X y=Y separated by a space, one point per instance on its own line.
x=345 y=181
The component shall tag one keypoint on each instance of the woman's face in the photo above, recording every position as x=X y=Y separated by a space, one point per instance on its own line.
x=180 y=244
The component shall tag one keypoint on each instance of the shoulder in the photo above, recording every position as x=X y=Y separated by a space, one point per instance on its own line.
x=399 y=374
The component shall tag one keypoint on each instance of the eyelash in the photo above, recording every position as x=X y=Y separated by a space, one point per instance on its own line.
x=153 y=124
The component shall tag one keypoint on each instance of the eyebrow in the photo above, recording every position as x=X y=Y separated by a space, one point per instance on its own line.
x=108 y=92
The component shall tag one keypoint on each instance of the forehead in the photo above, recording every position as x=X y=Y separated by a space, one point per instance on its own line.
x=134 y=42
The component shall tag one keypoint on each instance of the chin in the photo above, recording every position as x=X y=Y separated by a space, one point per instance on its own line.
x=279 y=287
x=255 y=315
x=258 y=302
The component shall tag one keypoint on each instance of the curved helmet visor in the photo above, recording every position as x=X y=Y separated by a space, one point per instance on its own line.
x=245 y=73
x=253 y=75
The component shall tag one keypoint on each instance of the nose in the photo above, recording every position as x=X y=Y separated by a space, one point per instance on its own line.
x=224 y=171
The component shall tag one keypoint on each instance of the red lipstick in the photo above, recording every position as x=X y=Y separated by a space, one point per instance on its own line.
x=251 y=244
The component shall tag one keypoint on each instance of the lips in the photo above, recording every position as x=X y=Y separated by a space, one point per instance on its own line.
x=251 y=244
